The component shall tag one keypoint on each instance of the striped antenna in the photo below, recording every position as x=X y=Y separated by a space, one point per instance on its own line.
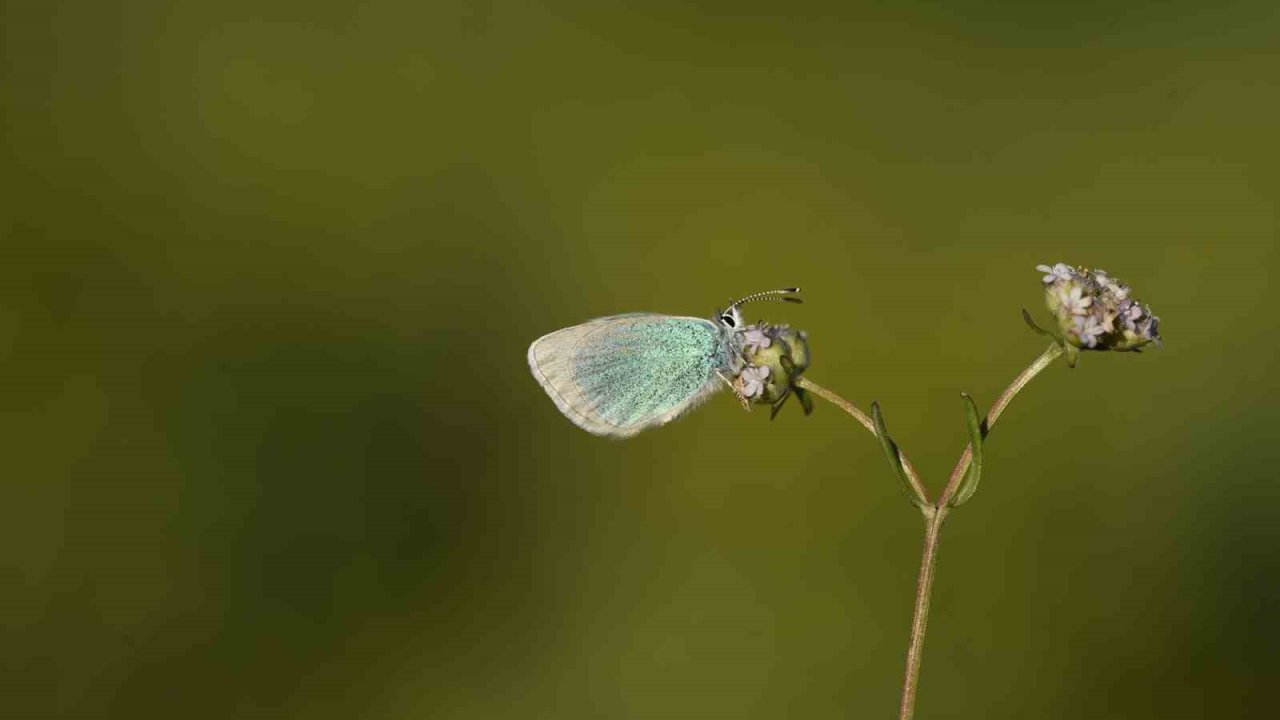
x=782 y=294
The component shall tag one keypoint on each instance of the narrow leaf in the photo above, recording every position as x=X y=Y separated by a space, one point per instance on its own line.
x=787 y=365
x=969 y=485
x=895 y=460
x=1032 y=323
x=806 y=401
x=774 y=408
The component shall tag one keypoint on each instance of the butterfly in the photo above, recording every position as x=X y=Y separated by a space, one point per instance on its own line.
x=621 y=374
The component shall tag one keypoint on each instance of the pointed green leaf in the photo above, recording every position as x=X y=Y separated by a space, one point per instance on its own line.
x=969 y=485
x=895 y=460
x=1073 y=354
x=774 y=408
x=806 y=401
x=1039 y=330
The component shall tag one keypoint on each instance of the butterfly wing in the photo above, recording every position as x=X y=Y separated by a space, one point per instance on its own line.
x=621 y=374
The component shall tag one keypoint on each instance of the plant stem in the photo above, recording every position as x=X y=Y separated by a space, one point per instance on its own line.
x=813 y=387
x=929 y=558
x=1035 y=368
x=935 y=512
x=920 y=618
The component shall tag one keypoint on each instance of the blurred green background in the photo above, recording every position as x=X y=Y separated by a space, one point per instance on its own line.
x=271 y=449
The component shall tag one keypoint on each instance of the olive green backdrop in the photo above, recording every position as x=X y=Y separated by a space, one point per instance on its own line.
x=270 y=446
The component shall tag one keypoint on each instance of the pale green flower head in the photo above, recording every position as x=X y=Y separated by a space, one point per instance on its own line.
x=775 y=356
x=1095 y=311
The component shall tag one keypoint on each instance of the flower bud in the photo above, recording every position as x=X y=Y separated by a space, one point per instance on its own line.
x=1095 y=311
x=775 y=356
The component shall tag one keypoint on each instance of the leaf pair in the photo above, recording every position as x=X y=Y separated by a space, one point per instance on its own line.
x=968 y=486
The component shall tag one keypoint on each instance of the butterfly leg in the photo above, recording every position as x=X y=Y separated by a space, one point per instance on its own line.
x=746 y=403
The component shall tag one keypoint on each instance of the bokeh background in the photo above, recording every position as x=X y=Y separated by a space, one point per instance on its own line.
x=271 y=449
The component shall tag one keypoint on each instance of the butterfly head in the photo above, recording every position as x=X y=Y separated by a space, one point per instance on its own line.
x=731 y=317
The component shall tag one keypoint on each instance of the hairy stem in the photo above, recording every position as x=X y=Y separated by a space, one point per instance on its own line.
x=920 y=618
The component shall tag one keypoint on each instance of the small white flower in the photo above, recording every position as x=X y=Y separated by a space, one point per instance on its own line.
x=1088 y=329
x=1108 y=322
x=1130 y=311
x=752 y=379
x=1060 y=271
x=754 y=339
x=1073 y=299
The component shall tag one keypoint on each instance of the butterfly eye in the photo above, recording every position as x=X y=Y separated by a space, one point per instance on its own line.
x=728 y=320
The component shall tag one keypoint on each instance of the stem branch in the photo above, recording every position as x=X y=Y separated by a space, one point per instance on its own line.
x=1035 y=368
x=912 y=476
x=935 y=512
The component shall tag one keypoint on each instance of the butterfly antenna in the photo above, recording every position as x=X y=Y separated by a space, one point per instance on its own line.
x=783 y=294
